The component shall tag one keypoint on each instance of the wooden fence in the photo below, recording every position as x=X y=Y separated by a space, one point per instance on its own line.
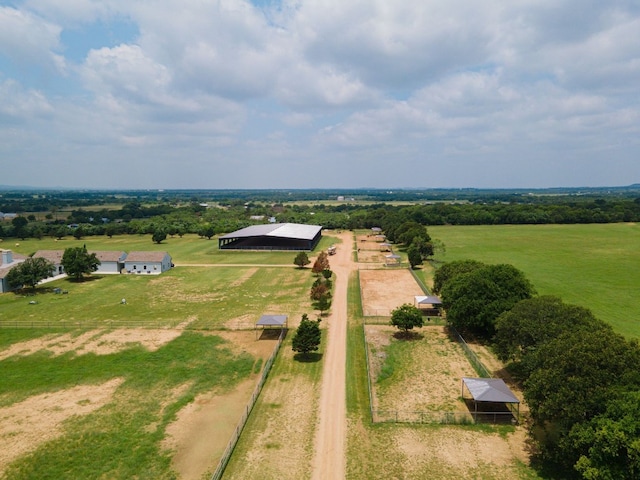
x=222 y=464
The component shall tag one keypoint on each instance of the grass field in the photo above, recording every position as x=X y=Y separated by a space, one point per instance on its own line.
x=121 y=437
x=595 y=266
x=207 y=297
x=190 y=249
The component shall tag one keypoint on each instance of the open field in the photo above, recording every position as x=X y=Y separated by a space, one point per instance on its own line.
x=190 y=249
x=203 y=297
x=104 y=404
x=594 y=266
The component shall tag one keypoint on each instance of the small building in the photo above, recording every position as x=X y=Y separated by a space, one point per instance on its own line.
x=391 y=260
x=111 y=261
x=54 y=256
x=153 y=263
x=8 y=260
x=428 y=304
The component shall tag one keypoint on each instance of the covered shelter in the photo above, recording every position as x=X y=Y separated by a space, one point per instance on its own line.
x=272 y=322
x=488 y=391
x=429 y=304
x=274 y=236
x=385 y=247
x=392 y=259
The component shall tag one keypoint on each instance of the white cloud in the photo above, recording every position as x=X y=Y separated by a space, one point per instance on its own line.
x=29 y=40
x=20 y=104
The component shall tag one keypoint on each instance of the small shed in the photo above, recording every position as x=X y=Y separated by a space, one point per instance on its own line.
x=392 y=259
x=385 y=247
x=491 y=391
x=272 y=322
x=428 y=304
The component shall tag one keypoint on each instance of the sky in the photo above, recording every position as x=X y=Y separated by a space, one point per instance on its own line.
x=141 y=94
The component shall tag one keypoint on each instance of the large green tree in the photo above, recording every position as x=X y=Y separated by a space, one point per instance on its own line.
x=407 y=317
x=159 y=235
x=450 y=270
x=301 y=259
x=307 y=337
x=535 y=321
x=574 y=377
x=30 y=272
x=473 y=301
x=77 y=262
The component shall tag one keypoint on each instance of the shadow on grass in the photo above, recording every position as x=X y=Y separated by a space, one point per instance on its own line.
x=408 y=336
x=311 y=357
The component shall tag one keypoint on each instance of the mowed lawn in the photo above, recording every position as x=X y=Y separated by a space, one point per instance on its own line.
x=595 y=266
x=207 y=297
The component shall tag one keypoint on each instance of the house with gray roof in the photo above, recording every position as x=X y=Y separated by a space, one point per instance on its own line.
x=111 y=261
x=54 y=256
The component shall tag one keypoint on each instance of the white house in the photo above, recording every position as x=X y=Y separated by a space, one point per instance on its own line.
x=111 y=261
x=54 y=256
x=8 y=260
x=148 y=262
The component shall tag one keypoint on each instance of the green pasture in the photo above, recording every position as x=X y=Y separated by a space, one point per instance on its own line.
x=595 y=266
x=190 y=249
x=207 y=297
x=123 y=438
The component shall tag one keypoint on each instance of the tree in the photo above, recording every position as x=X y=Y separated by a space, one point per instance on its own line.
x=110 y=230
x=321 y=263
x=452 y=269
x=207 y=231
x=301 y=259
x=30 y=272
x=535 y=321
x=323 y=303
x=318 y=291
x=78 y=233
x=19 y=224
x=159 y=235
x=575 y=375
x=414 y=257
x=77 y=262
x=474 y=300
x=406 y=317
x=307 y=337
x=61 y=232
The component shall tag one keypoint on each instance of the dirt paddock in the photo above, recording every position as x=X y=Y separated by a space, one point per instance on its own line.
x=385 y=290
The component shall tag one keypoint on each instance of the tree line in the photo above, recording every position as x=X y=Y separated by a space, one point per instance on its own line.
x=579 y=378
x=180 y=216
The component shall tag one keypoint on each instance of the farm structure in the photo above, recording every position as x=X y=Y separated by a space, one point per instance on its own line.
x=490 y=392
x=111 y=261
x=428 y=304
x=153 y=263
x=269 y=322
x=277 y=236
x=8 y=260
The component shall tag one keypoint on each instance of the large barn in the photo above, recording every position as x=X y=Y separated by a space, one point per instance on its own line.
x=275 y=236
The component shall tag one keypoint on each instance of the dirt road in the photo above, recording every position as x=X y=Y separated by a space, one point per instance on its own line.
x=330 y=459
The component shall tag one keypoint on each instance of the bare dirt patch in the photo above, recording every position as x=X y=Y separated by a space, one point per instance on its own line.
x=459 y=453
x=202 y=429
x=100 y=342
x=26 y=425
x=385 y=290
x=434 y=386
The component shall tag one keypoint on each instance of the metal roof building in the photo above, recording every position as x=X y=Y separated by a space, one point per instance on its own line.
x=275 y=236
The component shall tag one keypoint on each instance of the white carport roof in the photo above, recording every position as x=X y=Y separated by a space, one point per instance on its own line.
x=280 y=230
x=489 y=390
x=272 y=320
x=427 y=299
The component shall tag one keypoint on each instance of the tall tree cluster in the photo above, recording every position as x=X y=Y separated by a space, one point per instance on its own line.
x=580 y=379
